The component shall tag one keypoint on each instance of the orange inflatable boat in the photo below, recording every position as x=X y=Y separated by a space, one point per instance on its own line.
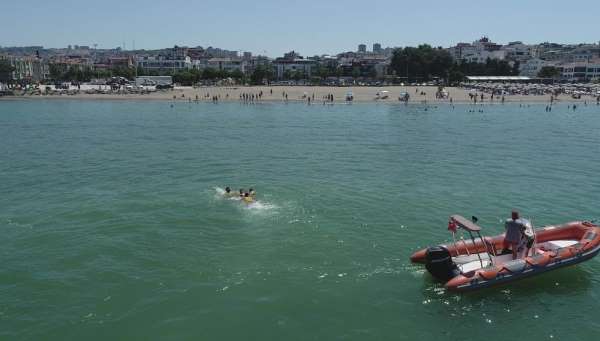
x=479 y=262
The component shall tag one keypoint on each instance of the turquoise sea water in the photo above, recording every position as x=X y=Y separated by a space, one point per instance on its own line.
x=112 y=227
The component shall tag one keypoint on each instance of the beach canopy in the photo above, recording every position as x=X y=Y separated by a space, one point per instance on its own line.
x=498 y=78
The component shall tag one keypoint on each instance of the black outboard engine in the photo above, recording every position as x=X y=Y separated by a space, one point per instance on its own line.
x=438 y=262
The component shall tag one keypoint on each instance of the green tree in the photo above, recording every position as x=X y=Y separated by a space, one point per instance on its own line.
x=260 y=74
x=126 y=72
x=299 y=74
x=421 y=63
x=355 y=71
x=184 y=77
x=238 y=75
x=57 y=71
x=141 y=71
x=549 y=72
x=288 y=74
x=323 y=72
x=455 y=75
x=209 y=73
x=6 y=70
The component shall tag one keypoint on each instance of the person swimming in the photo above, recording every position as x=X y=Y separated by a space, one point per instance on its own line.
x=241 y=193
x=252 y=192
x=248 y=198
x=227 y=191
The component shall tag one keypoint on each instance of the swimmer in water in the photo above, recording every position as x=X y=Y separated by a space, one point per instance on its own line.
x=252 y=192
x=247 y=198
x=227 y=192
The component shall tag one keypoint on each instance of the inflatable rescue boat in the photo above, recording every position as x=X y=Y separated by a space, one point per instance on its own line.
x=479 y=261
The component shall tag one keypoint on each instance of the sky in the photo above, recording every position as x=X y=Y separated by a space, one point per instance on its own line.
x=310 y=27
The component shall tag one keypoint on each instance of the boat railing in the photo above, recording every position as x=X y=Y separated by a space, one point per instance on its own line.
x=472 y=227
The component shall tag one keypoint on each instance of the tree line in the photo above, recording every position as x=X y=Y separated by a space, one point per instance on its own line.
x=6 y=70
x=258 y=76
x=60 y=72
x=63 y=73
x=425 y=63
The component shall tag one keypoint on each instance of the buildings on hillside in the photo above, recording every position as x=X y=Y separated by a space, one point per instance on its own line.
x=569 y=60
x=35 y=63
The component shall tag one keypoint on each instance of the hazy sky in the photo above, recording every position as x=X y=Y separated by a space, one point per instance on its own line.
x=310 y=26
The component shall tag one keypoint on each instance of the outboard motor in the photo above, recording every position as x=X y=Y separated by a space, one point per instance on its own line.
x=438 y=262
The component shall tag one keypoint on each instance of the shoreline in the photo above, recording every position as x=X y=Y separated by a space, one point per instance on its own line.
x=424 y=95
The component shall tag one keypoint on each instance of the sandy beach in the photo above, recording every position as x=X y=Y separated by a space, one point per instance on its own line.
x=317 y=94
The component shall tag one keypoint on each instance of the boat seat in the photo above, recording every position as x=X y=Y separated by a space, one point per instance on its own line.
x=501 y=259
x=474 y=265
x=463 y=259
x=557 y=244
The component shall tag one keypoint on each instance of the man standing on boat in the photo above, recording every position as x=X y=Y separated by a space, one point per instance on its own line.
x=514 y=233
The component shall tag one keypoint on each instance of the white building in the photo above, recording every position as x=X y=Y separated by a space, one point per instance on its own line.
x=580 y=71
x=519 y=51
x=223 y=64
x=533 y=66
x=31 y=69
x=283 y=66
x=478 y=52
x=163 y=65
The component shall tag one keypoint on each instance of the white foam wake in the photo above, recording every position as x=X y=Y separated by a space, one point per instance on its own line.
x=260 y=206
x=220 y=194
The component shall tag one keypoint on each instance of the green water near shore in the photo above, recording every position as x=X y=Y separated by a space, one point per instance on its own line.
x=112 y=226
